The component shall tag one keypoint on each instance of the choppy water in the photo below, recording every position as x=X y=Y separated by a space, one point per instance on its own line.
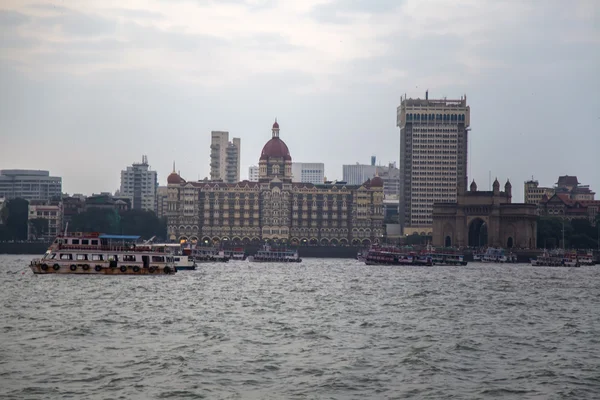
x=324 y=329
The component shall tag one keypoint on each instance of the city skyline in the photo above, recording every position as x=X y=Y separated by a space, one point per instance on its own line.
x=331 y=76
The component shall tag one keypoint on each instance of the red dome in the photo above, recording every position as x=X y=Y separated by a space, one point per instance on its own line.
x=275 y=125
x=275 y=148
x=376 y=182
x=174 y=178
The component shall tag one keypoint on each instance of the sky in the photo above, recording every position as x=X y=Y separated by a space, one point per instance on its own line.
x=89 y=86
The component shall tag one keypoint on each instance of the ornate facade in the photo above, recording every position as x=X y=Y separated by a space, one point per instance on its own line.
x=485 y=218
x=274 y=208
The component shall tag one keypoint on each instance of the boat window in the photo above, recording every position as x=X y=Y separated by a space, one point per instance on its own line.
x=82 y=257
x=97 y=257
x=176 y=258
x=74 y=241
x=158 y=259
x=94 y=242
x=85 y=241
x=66 y=256
x=128 y=257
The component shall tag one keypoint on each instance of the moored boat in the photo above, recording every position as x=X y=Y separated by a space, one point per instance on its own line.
x=495 y=255
x=207 y=254
x=275 y=254
x=237 y=253
x=389 y=255
x=99 y=254
x=556 y=259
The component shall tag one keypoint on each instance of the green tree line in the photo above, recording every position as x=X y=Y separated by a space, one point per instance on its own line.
x=579 y=233
x=14 y=220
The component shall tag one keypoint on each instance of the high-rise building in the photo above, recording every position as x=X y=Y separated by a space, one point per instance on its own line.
x=253 y=173
x=161 y=201
x=29 y=185
x=139 y=183
x=357 y=174
x=308 y=173
x=224 y=157
x=433 y=157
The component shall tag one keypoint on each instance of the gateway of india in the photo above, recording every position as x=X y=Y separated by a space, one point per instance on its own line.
x=485 y=218
x=275 y=209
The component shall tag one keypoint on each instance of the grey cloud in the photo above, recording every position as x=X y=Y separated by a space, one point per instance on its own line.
x=334 y=12
x=79 y=24
x=12 y=18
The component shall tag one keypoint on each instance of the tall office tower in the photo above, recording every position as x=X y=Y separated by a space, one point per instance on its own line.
x=139 y=184
x=253 y=173
x=224 y=157
x=433 y=157
x=308 y=173
x=357 y=174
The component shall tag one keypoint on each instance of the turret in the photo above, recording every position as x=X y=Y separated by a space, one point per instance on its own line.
x=508 y=189
x=473 y=187
x=496 y=187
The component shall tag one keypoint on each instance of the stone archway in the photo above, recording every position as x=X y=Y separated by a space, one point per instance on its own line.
x=509 y=242
x=478 y=233
x=448 y=241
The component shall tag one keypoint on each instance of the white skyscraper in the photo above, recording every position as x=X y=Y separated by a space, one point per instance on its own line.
x=224 y=157
x=139 y=183
x=253 y=173
x=308 y=172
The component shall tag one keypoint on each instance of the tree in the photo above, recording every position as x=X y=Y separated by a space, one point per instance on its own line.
x=16 y=219
x=96 y=219
x=141 y=222
x=40 y=226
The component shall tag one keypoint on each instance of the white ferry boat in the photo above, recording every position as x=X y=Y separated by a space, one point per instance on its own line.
x=95 y=253
x=182 y=257
x=272 y=254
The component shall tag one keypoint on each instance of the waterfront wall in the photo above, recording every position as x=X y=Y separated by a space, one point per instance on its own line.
x=39 y=248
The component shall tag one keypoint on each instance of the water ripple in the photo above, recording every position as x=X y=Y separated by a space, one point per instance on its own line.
x=331 y=329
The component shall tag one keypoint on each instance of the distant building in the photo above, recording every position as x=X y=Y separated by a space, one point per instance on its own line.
x=354 y=173
x=49 y=211
x=253 y=173
x=106 y=200
x=162 y=201
x=566 y=185
x=71 y=206
x=433 y=157
x=224 y=157
x=308 y=173
x=29 y=185
x=533 y=192
x=139 y=184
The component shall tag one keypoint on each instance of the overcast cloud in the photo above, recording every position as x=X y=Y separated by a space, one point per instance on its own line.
x=87 y=87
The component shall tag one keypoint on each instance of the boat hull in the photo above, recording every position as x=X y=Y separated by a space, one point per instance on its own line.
x=186 y=268
x=276 y=260
x=100 y=270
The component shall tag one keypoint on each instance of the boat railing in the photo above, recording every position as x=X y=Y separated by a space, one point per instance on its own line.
x=145 y=248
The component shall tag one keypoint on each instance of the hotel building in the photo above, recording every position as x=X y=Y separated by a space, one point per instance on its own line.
x=275 y=208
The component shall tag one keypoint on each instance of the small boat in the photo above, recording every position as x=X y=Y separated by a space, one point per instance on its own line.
x=182 y=257
x=556 y=259
x=236 y=253
x=99 y=254
x=275 y=254
x=389 y=255
x=206 y=254
x=496 y=255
